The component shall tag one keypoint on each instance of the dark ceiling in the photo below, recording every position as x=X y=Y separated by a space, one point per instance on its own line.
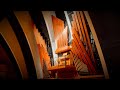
x=2 y=15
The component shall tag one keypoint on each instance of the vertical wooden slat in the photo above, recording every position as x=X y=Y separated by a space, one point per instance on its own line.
x=66 y=36
x=76 y=20
x=74 y=23
x=78 y=48
x=84 y=54
x=62 y=40
x=81 y=25
x=58 y=26
x=71 y=56
x=57 y=43
x=88 y=39
x=77 y=24
x=82 y=57
x=82 y=31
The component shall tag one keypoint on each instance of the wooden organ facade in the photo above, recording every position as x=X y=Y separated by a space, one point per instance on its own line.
x=79 y=56
x=76 y=59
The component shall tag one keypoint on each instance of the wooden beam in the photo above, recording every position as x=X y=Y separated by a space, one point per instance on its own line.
x=86 y=58
x=97 y=44
x=81 y=29
x=77 y=24
x=88 y=39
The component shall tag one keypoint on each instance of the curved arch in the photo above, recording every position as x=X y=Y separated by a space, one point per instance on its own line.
x=48 y=22
x=23 y=44
x=11 y=40
x=25 y=22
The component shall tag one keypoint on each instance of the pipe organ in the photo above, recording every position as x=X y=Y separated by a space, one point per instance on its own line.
x=81 y=45
x=79 y=54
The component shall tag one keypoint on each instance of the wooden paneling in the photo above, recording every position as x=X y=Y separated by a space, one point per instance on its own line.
x=81 y=47
x=58 y=26
x=62 y=41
